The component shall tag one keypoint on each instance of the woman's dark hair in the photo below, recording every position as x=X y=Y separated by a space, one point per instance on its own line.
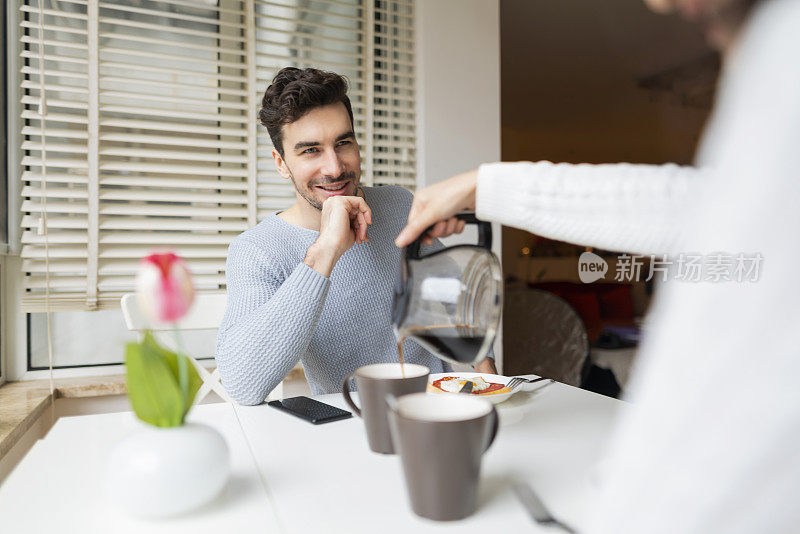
x=293 y=93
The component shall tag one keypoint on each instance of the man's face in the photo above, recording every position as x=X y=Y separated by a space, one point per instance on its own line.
x=320 y=155
x=720 y=18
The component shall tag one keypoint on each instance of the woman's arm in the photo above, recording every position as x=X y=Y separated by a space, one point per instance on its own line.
x=621 y=207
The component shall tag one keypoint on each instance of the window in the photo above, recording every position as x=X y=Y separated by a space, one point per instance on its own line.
x=97 y=338
x=150 y=139
x=393 y=117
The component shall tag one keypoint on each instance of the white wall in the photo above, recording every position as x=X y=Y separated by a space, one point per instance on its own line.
x=458 y=93
x=458 y=86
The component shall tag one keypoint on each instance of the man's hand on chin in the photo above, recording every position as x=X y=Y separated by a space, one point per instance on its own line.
x=343 y=223
x=486 y=366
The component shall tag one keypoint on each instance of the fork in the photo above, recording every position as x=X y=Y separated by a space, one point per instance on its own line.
x=536 y=508
x=517 y=381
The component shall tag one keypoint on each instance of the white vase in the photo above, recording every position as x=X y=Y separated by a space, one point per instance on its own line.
x=159 y=472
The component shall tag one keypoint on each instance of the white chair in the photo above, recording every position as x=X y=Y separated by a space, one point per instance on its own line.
x=205 y=314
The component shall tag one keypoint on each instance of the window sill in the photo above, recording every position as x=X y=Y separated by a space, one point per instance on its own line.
x=22 y=403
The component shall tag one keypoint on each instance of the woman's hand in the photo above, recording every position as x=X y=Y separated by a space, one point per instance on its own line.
x=436 y=205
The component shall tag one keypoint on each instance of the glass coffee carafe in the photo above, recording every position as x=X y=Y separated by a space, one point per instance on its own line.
x=450 y=300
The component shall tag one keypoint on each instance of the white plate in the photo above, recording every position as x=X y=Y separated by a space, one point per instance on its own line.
x=497 y=379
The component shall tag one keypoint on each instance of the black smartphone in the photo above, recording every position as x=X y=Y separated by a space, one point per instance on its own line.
x=311 y=410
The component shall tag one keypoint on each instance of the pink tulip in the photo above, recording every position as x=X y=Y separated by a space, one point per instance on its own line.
x=164 y=287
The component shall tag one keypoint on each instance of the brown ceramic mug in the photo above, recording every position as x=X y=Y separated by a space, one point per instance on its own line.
x=374 y=382
x=440 y=440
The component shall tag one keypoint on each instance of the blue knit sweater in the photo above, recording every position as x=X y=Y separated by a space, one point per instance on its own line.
x=280 y=311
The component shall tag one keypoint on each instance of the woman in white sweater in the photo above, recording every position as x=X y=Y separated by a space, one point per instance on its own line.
x=711 y=442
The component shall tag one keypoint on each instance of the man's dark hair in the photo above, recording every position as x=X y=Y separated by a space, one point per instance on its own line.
x=293 y=93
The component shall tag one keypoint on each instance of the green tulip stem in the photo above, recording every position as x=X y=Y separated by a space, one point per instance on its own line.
x=183 y=372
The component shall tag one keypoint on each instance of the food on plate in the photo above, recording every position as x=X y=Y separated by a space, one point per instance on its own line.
x=453 y=384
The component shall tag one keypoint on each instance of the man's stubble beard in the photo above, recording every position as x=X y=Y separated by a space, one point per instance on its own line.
x=309 y=197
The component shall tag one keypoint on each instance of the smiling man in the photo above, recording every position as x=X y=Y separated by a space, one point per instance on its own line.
x=309 y=284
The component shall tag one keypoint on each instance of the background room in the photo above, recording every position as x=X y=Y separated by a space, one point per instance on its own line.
x=151 y=142
x=589 y=82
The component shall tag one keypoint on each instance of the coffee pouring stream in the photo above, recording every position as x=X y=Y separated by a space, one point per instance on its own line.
x=450 y=300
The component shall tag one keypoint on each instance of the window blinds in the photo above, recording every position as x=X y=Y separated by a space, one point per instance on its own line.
x=150 y=137
x=393 y=114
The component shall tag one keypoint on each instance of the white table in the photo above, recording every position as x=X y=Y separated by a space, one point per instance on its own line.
x=309 y=479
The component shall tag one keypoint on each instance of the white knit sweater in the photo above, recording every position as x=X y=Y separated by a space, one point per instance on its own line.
x=711 y=442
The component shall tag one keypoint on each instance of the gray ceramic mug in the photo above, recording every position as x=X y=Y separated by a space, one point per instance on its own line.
x=440 y=440
x=374 y=382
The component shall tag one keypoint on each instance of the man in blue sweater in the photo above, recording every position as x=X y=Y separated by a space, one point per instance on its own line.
x=310 y=283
